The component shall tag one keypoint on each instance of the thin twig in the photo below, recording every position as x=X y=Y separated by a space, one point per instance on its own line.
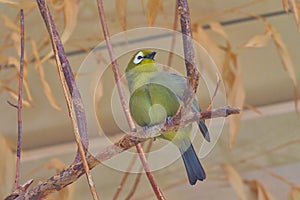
x=190 y=64
x=72 y=95
x=188 y=48
x=155 y=187
x=115 y=66
x=125 y=176
x=74 y=171
x=17 y=178
x=214 y=94
x=126 y=110
x=138 y=177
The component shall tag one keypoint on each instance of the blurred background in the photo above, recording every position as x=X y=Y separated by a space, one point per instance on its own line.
x=254 y=46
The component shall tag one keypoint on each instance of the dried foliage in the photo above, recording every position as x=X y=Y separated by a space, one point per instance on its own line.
x=227 y=62
x=294 y=193
x=235 y=180
x=121 y=7
x=294 y=5
x=39 y=68
x=261 y=40
x=259 y=190
x=225 y=55
x=152 y=9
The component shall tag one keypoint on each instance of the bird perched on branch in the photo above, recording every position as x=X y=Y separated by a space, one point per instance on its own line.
x=155 y=96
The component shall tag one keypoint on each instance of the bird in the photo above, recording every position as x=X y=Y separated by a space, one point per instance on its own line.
x=155 y=97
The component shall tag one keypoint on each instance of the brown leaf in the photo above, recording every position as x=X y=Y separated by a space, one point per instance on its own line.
x=70 y=14
x=295 y=7
x=7 y=168
x=209 y=44
x=121 y=7
x=17 y=43
x=258 y=40
x=14 y=94
x=259 y=190
x=294 y=193
x=286 y=60
x=230 y=72
x=46 y=87
x=236 y=98
x=9 y=23
x=253 y=108
x=285 y=6
x=70 y=8
x=217 y=27
x=235 y=180
x=152 y=10
x=19 y=4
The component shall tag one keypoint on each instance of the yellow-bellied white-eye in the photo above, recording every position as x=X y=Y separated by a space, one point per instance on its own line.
x=155 y=96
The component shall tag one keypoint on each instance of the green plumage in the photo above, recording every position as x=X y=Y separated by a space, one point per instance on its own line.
x=154 y=97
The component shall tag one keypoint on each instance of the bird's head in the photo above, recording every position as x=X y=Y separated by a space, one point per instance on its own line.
x=140 y=58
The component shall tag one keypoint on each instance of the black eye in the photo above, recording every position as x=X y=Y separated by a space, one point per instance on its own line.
x=140 y=57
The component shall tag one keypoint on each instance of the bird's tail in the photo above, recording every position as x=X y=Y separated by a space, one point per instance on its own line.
x=192 y=164
x=204 y=130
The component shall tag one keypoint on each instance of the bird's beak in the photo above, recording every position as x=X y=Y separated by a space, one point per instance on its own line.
x=150 y=56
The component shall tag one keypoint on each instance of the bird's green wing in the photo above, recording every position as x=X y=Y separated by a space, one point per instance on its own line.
x=177 y=84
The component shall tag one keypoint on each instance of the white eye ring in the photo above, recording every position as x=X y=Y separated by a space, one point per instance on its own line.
x=138 y=58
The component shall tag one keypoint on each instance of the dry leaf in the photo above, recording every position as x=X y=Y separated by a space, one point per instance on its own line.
x=209 y=45
x=217 y=27
x=70 y=8
x=15 y=62
x=259 y=190
x=7 y=168
x=253 y=108
x=14 y=94
x=152 y=10
x=17 y=43
x=46 y=87
x=70 y=14
x=121 y=12
x=286 y=60
x=236 y=98
x=258 y=40
x=232 y=76
x=294 y=193
x=230 y=71
x=19 y=4
x=235 y=181
x=295 y=7
x=9 y=23
x=285 y=6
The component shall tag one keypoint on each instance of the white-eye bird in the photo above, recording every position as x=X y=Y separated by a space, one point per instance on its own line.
x=155 y=96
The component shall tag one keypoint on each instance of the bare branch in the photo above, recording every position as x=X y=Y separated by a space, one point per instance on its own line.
x=190 y=64
x=126 y=110
x=125 y=176
x=74 y=171
x=72 y=95
x=138 y=177
x=17 y=177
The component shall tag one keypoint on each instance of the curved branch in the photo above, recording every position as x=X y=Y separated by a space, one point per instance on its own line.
x=74 y=171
